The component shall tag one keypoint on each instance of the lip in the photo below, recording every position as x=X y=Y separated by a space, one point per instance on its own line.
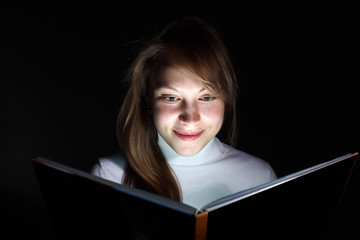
x=188 y=135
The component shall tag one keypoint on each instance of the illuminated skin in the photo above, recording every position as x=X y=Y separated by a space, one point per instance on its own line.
x=185 y=113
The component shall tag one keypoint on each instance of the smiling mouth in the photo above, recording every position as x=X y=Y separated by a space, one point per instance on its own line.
x=188 y=135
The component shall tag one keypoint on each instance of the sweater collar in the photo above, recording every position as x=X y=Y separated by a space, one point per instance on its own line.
x=208 y=154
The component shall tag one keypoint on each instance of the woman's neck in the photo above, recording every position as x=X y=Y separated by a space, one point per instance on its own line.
x=208 y=154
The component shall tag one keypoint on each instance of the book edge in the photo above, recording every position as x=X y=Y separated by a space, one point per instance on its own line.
x=139 y=193
x=263 y=187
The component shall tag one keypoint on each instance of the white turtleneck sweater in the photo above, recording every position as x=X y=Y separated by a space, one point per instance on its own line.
x=216 y=171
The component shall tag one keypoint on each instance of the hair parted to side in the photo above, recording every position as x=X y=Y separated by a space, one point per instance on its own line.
x=196 y=46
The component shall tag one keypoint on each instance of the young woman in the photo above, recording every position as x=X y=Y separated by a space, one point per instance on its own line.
x=182 y=92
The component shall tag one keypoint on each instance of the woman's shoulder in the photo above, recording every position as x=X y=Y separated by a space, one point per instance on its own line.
x=111 y=167
x=240 y=160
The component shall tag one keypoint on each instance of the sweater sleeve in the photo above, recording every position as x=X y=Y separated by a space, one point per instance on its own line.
x=111 y=168
x=271 y=173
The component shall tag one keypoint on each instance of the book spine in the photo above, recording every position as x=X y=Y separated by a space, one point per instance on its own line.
x=201 y=226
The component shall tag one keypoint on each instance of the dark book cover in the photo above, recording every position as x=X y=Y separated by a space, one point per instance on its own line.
x=305 y=204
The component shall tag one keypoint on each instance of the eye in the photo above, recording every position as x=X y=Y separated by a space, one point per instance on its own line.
x=170 y=99
x=207 y=98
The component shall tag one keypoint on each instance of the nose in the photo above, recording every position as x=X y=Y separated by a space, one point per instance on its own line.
x=189 y=115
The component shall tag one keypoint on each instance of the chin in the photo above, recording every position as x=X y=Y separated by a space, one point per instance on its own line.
x=187 y=151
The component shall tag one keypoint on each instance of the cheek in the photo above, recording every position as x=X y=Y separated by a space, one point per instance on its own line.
x=168 y=115
x=164 y=116
x=214 y=115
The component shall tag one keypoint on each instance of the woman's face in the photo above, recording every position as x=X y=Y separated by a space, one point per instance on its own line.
x=186 y=115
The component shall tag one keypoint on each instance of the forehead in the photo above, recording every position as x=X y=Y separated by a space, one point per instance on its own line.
x=177 y=77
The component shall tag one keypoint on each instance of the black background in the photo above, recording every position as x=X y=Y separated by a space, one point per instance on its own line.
x=61 y=69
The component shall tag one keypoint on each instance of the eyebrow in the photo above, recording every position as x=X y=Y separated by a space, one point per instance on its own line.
x=174 y=89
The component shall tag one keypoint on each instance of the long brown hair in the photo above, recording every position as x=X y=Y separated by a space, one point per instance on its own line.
x=195 y=45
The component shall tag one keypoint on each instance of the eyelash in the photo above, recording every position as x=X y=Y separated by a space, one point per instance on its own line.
x=167 y=99
x=209 y=98
x=176 y=99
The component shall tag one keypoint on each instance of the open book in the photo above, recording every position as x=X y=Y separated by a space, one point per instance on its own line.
x=307 y=203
